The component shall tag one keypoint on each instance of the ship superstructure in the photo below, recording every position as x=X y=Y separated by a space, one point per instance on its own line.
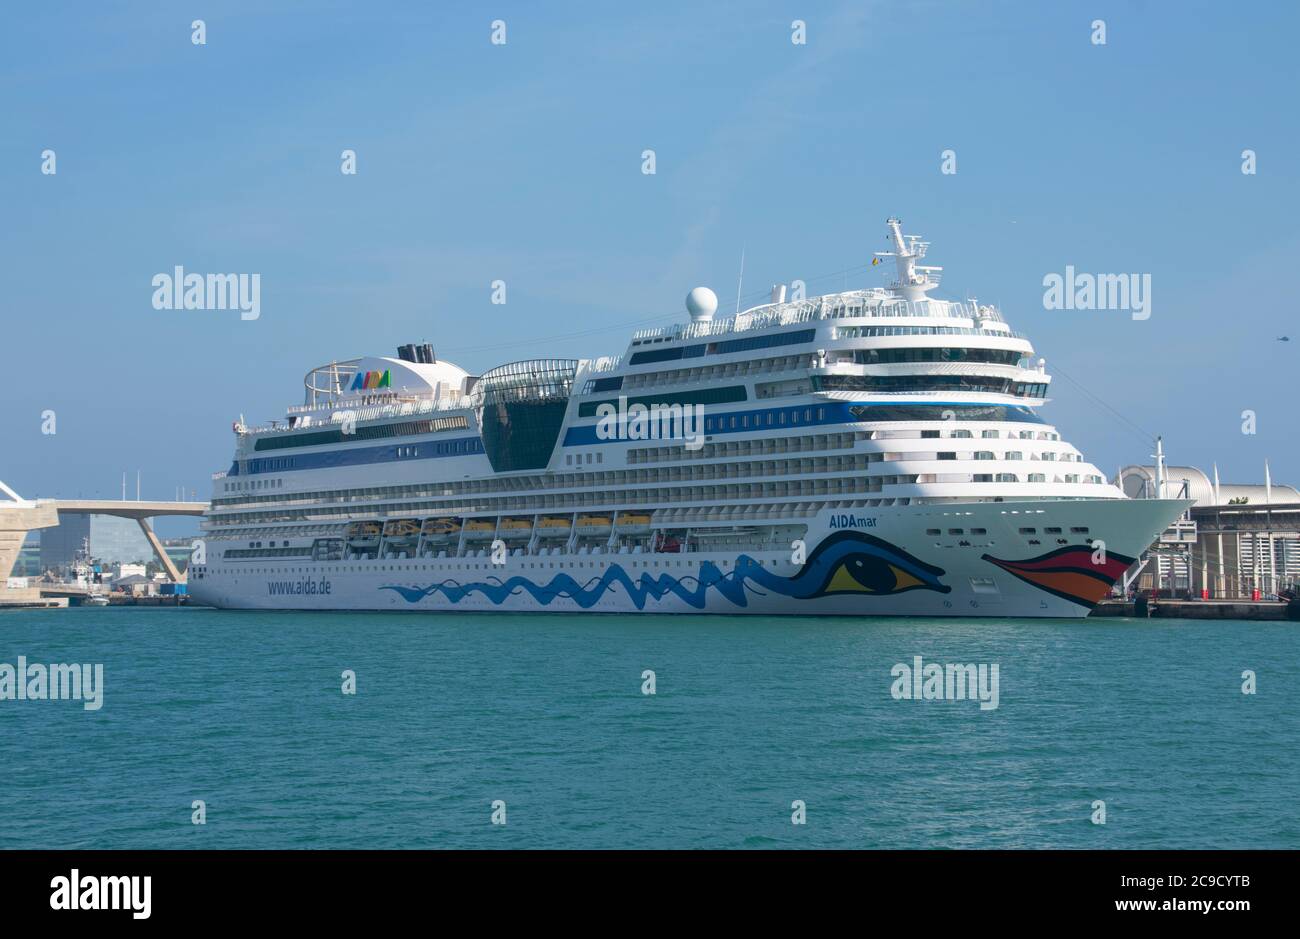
x=869 y=452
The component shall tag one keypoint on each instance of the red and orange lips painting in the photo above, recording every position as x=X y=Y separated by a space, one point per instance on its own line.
x=1069 y=573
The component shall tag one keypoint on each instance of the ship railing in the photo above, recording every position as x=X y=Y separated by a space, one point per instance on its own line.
x=846 y=332
x=872 y=303
x=345 y=410
x=359 y=400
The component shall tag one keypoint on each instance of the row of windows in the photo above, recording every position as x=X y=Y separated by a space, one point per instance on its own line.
x=247 y=485
x=764 y=419
x=767 y=341
x=822 y=464
x=521 y=483
x=990 y=413
x=828 y=487
x=364 y=432
x=983 y=383
x=1076 y=530
x=1072 y=478
x=730 y=449
x=785 y=363
x=1010 y=455
x=687 y=516
x=718 y=424
x=986 y=434
x=823 y=487
x=716 y=450
x=725 y=395
x=241 y=553
x=463 y=565
x=463 y=446
x=609 y=383
x=936 y=354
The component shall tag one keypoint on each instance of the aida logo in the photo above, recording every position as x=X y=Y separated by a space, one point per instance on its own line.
x=366 y=380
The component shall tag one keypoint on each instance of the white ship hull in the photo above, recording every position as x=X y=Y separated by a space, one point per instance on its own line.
x=875 y=562
x=871 y=452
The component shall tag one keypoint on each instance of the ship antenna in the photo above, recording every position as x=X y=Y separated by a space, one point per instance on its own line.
x=913 y=279
x=740 y=283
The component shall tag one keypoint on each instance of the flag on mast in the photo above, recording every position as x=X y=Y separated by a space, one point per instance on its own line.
x=1218 y=500
x=1268 y=485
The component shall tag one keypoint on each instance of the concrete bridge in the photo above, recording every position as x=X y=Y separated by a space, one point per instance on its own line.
x=19 y=516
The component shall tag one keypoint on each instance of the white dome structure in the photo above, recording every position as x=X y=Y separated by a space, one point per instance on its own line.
x=701 y=303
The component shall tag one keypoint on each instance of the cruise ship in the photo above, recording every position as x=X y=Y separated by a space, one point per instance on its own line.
x=874 y=452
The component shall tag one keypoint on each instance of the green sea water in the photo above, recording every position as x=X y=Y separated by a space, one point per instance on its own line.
x=546 y=714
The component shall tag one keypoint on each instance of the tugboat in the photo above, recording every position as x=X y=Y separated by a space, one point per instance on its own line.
x=89 y=573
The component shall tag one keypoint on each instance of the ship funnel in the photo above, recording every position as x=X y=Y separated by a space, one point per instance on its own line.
x=421 y=354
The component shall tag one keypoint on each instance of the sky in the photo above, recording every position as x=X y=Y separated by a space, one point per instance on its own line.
x=522 y=162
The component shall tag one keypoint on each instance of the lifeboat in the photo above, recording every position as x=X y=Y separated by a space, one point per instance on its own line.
x=593 y=525
x=515 y=527
x=480 y=529
x=633 y=523
x=362 y=538
x=364 y=535
x=402 y=528
x=400 y=536
x=439 y=530
x=554 y=527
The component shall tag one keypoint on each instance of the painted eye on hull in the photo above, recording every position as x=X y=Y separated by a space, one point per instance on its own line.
x=855 y=562
x=865 y=574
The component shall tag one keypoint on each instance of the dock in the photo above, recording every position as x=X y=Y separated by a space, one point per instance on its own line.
x=1200 y=609
x=34 y=603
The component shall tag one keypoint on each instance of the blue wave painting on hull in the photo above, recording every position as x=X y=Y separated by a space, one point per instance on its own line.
x=847 y=562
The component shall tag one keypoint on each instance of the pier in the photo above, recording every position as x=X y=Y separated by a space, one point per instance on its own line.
x=1198 y=609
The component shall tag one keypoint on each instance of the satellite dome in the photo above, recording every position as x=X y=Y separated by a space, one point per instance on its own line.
x=701 y=303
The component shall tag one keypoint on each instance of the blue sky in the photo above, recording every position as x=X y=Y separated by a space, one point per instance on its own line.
x=522 y=163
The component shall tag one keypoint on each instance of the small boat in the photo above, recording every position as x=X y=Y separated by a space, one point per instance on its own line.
x=515 y=528
x=363 y=538
x=95 y=599
x=364 y=534
x=555 y=526
x=593 y=525
x=401 y=536
x=480 y=529
x=632 y=523
x=440 y=530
